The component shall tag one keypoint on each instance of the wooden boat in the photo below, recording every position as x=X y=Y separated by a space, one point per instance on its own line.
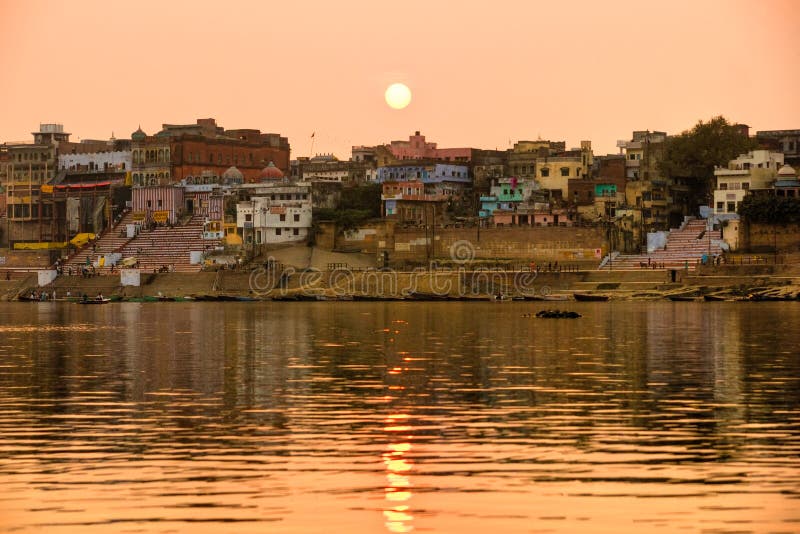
x=94 y=301
x=682 y=298
x=414 y=295
x=586 y=297
x=714 y=298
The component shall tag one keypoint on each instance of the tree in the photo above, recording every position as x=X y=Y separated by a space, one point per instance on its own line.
x=690 y=157
x=770 y=209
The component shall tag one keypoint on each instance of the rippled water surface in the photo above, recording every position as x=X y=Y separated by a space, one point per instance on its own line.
x=393 y=417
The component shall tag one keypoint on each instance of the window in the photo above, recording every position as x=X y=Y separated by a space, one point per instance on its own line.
x=746 y=185
x=277 y=231
x=723 y=186
x=296 y=218
x=564 y=171
x=720 y=206
x=545 y=172
x=296 y=231
x=160 y=202
x=731 y=207
x=149 y=204
x=248 y=217
x=283 y=217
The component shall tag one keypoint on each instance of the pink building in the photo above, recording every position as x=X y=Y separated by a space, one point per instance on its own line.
x=417 y=148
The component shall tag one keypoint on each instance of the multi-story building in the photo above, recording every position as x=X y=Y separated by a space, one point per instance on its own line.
x=522 y=158
x=506 y=194
x=785 y=141
x=32 y=216
x=418 y=148
x=756 y=170
x=201 y=153
x=554 y=171
x=328 y=168
x=407 y=202
x=596 y=197
x=274 y=213
x=648 y=192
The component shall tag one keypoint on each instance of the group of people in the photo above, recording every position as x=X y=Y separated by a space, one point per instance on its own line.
x=42 y=295
x=651 y=264
x=552 y=267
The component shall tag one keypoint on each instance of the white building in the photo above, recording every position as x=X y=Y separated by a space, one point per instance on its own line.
x=119 y=160
x=754 y=170
x=275 y=214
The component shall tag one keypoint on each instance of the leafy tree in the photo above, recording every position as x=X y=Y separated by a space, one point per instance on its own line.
x=690 y=157
x=769 y=209
x=364 y=197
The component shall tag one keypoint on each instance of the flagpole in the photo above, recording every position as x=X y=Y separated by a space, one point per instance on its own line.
x=313 y=134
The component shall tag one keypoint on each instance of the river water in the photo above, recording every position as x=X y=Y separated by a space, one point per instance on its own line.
x=393 y=417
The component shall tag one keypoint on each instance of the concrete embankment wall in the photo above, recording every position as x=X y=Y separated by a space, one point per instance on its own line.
x=541 y=244
x=766 y=237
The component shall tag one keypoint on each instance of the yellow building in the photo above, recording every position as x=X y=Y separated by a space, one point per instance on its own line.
x=553 y=172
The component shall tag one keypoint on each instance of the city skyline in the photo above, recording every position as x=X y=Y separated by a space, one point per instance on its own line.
x=479 y=79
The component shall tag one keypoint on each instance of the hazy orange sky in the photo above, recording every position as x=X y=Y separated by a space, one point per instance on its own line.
x=481 y=72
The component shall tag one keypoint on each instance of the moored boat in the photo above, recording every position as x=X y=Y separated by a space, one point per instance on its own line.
x=95 y=301
x=682 y=298
x=588 y=297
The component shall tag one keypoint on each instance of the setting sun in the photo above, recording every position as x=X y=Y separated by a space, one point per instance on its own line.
x=398 y=95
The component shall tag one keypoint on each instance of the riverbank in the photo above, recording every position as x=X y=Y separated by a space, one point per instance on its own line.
x=370 y=284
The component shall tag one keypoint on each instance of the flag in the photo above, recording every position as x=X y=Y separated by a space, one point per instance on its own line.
x=312 y=134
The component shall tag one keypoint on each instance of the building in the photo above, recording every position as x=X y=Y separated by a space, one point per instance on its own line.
x=786 y=183
x=597 y=197
x=408 y=203
x=418 y=148
x=274 y=213
x=328 y=168
x=506 y=194
x=648 y=193
x=756 y=170
x=200 y=154
x=30 y=215
x=554 y=171
x=785 y=141
x=522 y=158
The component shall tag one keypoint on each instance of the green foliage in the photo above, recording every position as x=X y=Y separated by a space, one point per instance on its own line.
x=769 y=209
x=363 y=198
x=357 y=206
x=692 y=156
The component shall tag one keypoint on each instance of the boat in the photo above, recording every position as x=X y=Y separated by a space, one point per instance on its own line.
x=587 y=297
x=714 y=298
x=682 y=298
x=500 y=298
x=23 y=298
x=94 y=301
x=415 y=295
x=557 y=314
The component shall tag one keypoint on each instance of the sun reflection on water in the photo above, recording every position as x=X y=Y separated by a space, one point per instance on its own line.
x=397 y=514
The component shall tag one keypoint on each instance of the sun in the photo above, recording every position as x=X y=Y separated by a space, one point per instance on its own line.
x=398 y=95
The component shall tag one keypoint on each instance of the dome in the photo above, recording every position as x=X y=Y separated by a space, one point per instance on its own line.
x=271 y=172
x=233 y=174
x=787 y=171
x=138 y=135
